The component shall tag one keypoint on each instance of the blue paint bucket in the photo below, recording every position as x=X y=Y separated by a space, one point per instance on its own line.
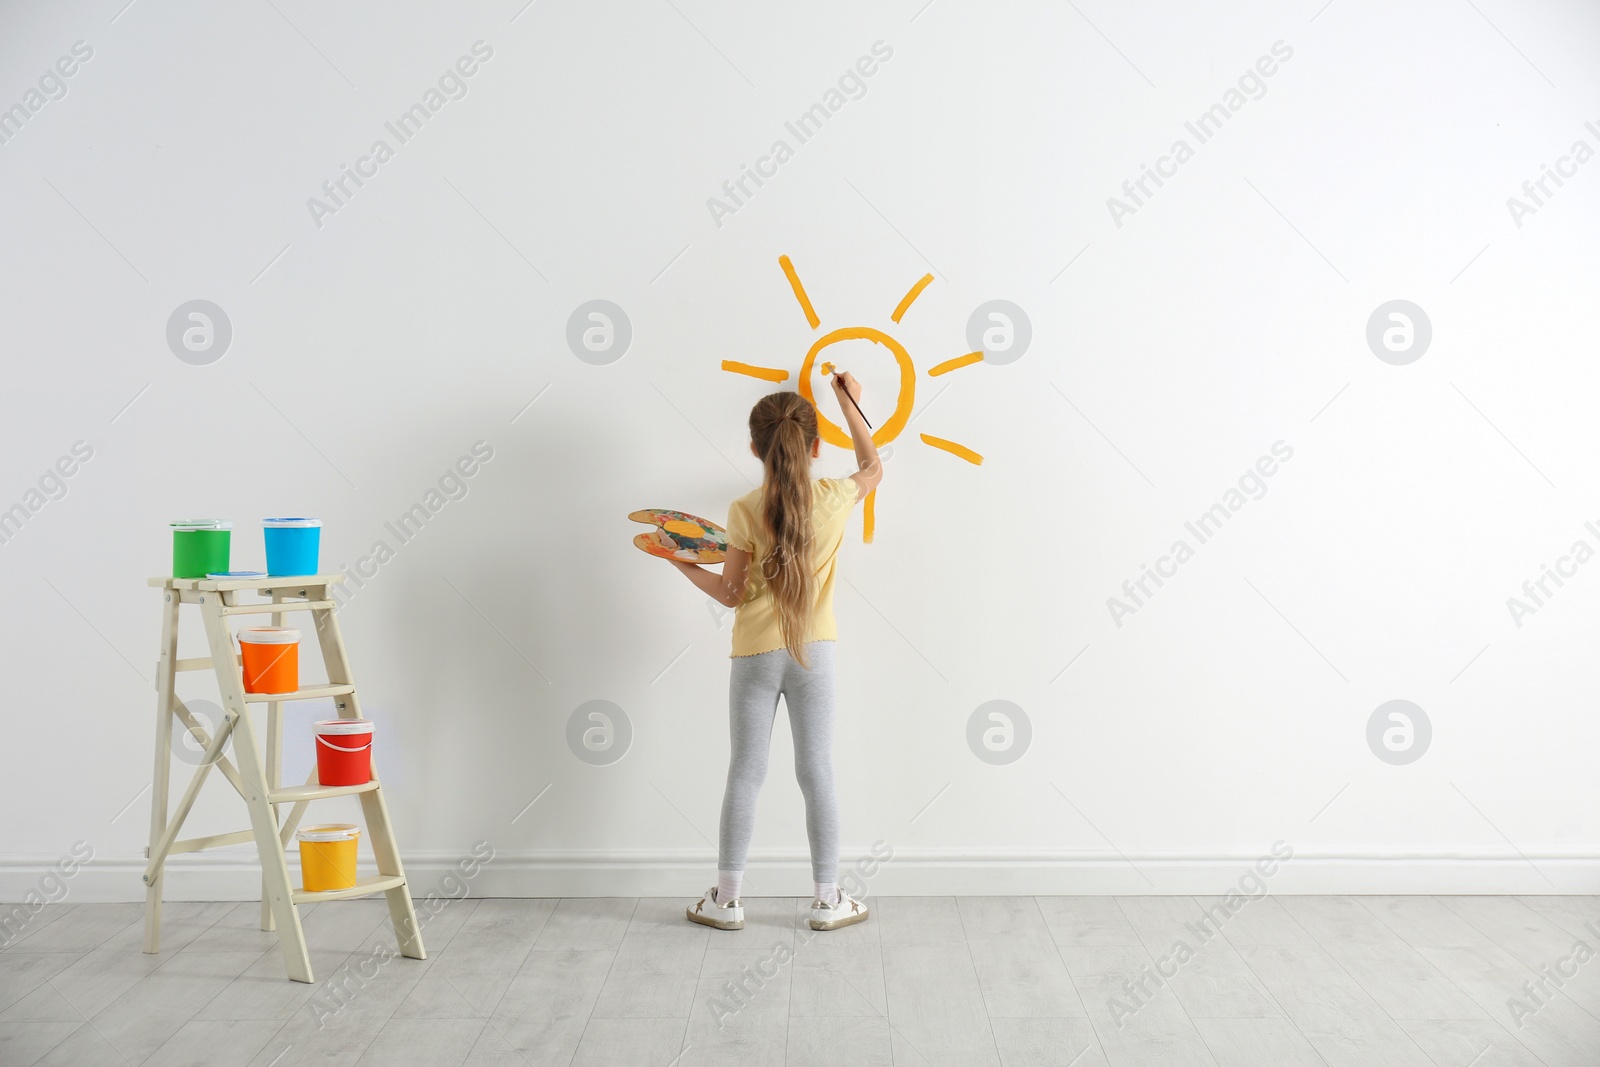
x=291 y=545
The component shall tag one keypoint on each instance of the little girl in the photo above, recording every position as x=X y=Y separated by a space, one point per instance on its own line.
x=783 y=547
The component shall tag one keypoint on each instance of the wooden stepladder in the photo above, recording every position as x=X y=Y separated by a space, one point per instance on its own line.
x=256 y=774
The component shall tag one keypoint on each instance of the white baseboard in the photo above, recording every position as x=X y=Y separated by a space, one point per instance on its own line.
x=233 y=874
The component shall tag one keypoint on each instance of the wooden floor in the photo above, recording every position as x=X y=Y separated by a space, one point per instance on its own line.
x=1014 y=981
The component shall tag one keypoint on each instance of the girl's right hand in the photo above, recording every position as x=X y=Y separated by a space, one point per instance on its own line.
x=845 y=382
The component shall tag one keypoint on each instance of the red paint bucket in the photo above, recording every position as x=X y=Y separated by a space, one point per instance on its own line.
x=344 y=751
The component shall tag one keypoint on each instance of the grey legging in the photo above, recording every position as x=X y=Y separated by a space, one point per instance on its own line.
x=753 y=691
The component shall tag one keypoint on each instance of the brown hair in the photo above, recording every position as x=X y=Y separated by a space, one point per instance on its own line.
x=783 y=427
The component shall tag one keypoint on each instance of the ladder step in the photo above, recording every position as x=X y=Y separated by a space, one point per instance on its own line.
x=310 y=692
x=381 y=883
x=302 y=581
x=271 y=608
x=293 y=794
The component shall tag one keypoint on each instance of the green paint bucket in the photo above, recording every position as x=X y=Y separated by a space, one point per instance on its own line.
x=200 y=547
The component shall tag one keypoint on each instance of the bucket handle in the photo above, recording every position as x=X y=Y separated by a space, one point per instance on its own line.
x=340 y=748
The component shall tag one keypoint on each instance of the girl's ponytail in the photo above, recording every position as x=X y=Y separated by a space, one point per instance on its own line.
x=783 y=427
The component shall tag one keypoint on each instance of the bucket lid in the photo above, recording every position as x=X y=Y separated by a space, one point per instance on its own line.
x=268 y=635
x=335 y=831
x=237 y=574
x=290 y=522
x=202 y=524
x=343 y=726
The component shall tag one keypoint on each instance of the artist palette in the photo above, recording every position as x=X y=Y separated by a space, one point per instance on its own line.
x=678 y=535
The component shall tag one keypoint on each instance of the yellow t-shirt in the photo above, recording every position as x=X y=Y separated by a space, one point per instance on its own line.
x=755 y=626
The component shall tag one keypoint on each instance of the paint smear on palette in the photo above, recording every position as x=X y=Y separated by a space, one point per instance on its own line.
x=678 y=535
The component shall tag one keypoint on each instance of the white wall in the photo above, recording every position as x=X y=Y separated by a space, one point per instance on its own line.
x=1168 y=353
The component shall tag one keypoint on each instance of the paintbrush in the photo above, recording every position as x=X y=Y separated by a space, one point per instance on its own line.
x=829 y=368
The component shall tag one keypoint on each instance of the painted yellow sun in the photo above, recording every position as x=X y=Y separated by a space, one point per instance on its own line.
x=835 y=434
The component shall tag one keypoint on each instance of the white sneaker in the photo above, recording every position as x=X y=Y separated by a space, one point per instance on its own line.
x=729 y=916
x=847 y=912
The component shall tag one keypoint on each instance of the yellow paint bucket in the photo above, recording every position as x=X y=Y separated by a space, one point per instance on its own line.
x=328 y=856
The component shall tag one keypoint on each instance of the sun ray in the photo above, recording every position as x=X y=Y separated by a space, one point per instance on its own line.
x=954 y=449
x=911 y=295
x=955 y=364
x=869 y=516
x=799 y=291
x=766 y=374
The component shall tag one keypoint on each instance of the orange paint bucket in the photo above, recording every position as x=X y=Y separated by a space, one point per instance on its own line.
x=271 y=659
x=328 y=856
